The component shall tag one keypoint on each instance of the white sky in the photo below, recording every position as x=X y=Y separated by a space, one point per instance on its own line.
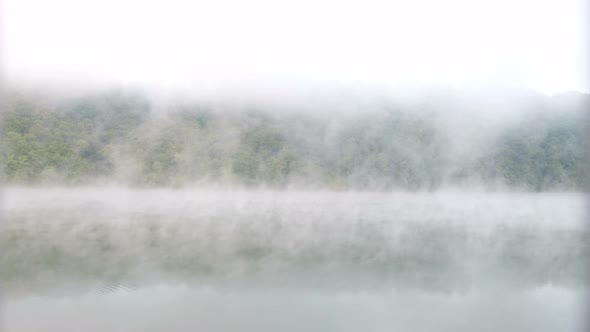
x=535 y=44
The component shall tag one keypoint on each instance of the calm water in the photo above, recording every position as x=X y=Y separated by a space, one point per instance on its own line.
x=185 y=260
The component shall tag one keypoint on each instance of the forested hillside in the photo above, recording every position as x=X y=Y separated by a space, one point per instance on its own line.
x=120 y=137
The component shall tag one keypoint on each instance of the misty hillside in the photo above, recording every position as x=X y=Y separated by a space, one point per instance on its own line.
x=123 y=137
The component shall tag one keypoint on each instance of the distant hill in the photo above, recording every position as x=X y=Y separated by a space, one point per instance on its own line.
x=382 y=144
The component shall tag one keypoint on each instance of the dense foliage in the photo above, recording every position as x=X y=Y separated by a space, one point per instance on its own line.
x=120 y=137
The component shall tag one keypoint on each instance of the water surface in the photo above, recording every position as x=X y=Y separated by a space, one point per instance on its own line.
x=183 y=260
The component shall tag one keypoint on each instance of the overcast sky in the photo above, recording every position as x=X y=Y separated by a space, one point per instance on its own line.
x=534 y=44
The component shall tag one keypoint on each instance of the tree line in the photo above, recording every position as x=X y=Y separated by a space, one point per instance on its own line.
x=120 y=137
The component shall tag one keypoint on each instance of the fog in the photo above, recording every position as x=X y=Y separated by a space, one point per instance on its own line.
x=344 y=209
x=305 y=239
x=294 y=166
x=335 y=140
x=224 y=260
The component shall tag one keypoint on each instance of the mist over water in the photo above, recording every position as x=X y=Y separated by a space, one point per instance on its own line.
x=220 y=260
x=414 y=213
x=323 y=166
